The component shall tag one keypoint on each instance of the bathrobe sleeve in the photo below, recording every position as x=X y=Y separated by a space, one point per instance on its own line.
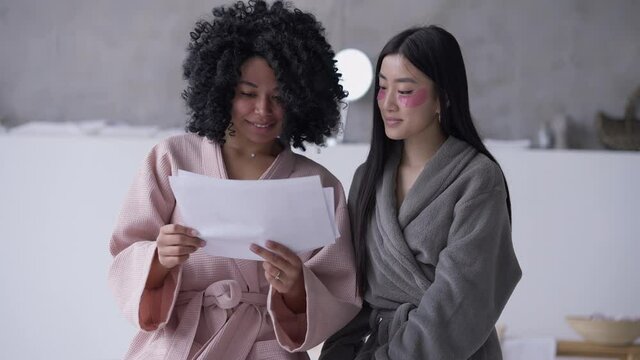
x=475 y=275
x=329 y=278
x=148 y=205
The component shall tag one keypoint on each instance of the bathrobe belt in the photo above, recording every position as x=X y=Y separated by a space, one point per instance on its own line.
x=237 y=318
x=384 y=322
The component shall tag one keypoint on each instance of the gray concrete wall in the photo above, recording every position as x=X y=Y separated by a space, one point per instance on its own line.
x=526 y=60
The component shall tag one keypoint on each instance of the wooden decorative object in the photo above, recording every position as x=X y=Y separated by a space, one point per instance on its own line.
x=621 y=134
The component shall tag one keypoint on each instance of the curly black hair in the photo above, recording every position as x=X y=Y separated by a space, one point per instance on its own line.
x=293 y=44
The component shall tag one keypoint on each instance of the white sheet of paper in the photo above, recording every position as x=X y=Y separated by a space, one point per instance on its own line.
x=232 y=214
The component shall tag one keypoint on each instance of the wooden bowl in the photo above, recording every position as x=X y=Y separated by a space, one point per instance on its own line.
x=605 y=331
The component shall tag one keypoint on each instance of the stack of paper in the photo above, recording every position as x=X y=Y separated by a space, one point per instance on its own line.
x=231 y=214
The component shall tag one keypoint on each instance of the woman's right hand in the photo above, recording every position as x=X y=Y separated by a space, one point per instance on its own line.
x=175 y=243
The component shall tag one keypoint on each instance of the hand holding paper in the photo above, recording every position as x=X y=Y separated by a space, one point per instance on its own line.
x=232 y=214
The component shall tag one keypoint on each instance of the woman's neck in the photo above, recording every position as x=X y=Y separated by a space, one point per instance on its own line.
x=251 y=150
x=249 y=161
x=419 y=149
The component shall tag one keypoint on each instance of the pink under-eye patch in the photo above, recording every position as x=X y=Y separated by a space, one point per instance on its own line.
x=416 y=99
x=382 y=93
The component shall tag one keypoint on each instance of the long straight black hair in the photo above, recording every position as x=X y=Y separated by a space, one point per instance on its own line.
x=436 y=53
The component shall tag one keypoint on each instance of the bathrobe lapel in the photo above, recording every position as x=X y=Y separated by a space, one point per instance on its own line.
x=213 y=165
x=390 y=249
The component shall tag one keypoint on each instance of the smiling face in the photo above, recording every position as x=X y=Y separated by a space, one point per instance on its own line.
x=257 y=113
x=407 y=100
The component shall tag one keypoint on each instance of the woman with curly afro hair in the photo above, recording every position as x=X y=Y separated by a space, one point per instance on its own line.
x=261 y=79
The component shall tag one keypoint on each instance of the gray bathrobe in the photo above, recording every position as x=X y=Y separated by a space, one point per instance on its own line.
x=441 y=268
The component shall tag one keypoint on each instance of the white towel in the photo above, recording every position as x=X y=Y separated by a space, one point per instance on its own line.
x=507 y=144
x=529 y=349
x=128 y=130
x=46 y=128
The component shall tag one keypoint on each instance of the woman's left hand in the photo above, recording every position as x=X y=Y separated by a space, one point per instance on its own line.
x=283 y=269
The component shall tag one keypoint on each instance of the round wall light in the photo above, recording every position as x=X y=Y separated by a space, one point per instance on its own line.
x=357 y=72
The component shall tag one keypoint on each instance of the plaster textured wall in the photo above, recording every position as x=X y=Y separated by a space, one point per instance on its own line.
x=527 y=61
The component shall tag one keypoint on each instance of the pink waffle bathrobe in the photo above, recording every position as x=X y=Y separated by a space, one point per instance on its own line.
x=215 y=307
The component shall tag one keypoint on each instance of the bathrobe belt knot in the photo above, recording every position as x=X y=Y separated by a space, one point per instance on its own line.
x=233 y=309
